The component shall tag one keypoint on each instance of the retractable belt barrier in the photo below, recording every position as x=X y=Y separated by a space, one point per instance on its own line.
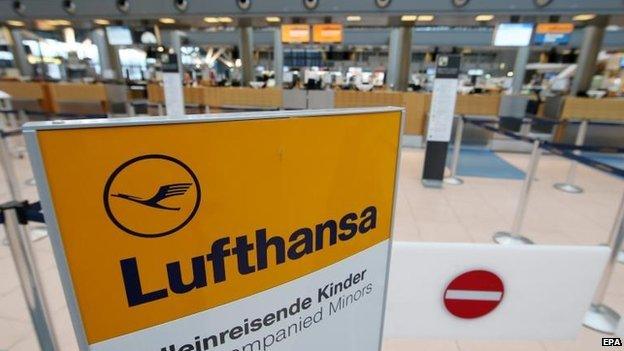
x=26 y=211
x=599 y=317
x=10 y=133
x=564 y=150
x=534 y=119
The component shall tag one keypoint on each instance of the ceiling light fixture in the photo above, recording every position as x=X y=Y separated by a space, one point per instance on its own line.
x=484 y=18
x=426 y=18
x=354 y=18
x=101 y=22
x=584 y=17
x=409 y=18
x=211 y=20
x=15 y=23
x=273 y=19
x=167 y=20
x=225 y=20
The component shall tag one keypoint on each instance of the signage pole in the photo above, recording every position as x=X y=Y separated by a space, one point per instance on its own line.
x=172 y=85
x=514 y=236
x=459 y=132
x=568 y=186
x=440 y=119
x=601 y=317
x=9 y=170
x=21 y=251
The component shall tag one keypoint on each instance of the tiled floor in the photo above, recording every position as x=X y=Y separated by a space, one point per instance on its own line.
x=467 y=213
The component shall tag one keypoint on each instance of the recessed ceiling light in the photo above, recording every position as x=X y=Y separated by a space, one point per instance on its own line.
x=167 y=20
x=426 y=18
x=101 y=22
x=584 y=17
x=354 y=18
x=225 y=19
x=484 y=18
x=15 y=23
x=211 y=20
x=60 y=22
x=409 y=18
x=273 y=19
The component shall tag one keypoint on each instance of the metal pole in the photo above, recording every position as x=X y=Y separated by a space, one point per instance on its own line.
x=21 y=251
x=161 y=109
x=514 y=236
x=9 y=170
x=459 y=132
x=601 y=317
x=569 y=186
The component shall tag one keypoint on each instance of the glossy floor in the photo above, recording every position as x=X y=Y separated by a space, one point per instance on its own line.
x=466 y=213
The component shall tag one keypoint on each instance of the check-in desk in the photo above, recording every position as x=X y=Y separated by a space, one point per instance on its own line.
x=609 y=110
x=28 y=96
x=79 y=99
x=242 y=98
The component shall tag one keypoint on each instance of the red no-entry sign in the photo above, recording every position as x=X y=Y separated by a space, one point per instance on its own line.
x=474 y=294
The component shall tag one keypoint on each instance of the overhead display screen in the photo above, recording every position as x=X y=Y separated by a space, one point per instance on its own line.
x=327 y=33
x=118 y=35
x=513 y=34
x=553 y=33
x=295 y=33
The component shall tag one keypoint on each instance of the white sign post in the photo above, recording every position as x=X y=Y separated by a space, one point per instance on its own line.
x=440 y=119
x=172 y=85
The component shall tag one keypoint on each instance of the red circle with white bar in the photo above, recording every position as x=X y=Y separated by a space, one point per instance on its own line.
x=474 y=294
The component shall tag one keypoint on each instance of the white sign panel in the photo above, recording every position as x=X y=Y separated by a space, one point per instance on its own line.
x=442 y=109
x=479 y=291
x=174 y=96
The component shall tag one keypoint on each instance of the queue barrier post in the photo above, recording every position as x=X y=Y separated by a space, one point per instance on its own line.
x=9 y=169
x=601 y=317
x=568 y=186
x=21 y=251
x=161 y=109
x=453 y=179
x=513 y=237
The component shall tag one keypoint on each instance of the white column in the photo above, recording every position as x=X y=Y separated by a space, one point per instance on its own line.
x=586 y=63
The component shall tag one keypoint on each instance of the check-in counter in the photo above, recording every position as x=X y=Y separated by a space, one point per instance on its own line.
x=578 y=108
x=118 y=97
x=194 y=100
x=351 y=98
x=594 y=110
x=28 y=96
x=416 y=105
x=242 y=98
x=78 y=98
x=478 y=105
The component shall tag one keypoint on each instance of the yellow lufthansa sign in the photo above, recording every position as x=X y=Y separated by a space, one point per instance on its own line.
x=161 y=220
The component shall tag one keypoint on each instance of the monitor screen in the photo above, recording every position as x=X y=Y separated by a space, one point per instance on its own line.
x=553 y=33
x=513 y=34
x=295 y=33
x=118 y=35
x=327 y=33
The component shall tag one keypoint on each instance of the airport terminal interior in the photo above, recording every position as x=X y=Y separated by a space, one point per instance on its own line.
x=464 y=158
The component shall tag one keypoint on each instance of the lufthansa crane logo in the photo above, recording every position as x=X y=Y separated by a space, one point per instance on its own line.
x=152 y=196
